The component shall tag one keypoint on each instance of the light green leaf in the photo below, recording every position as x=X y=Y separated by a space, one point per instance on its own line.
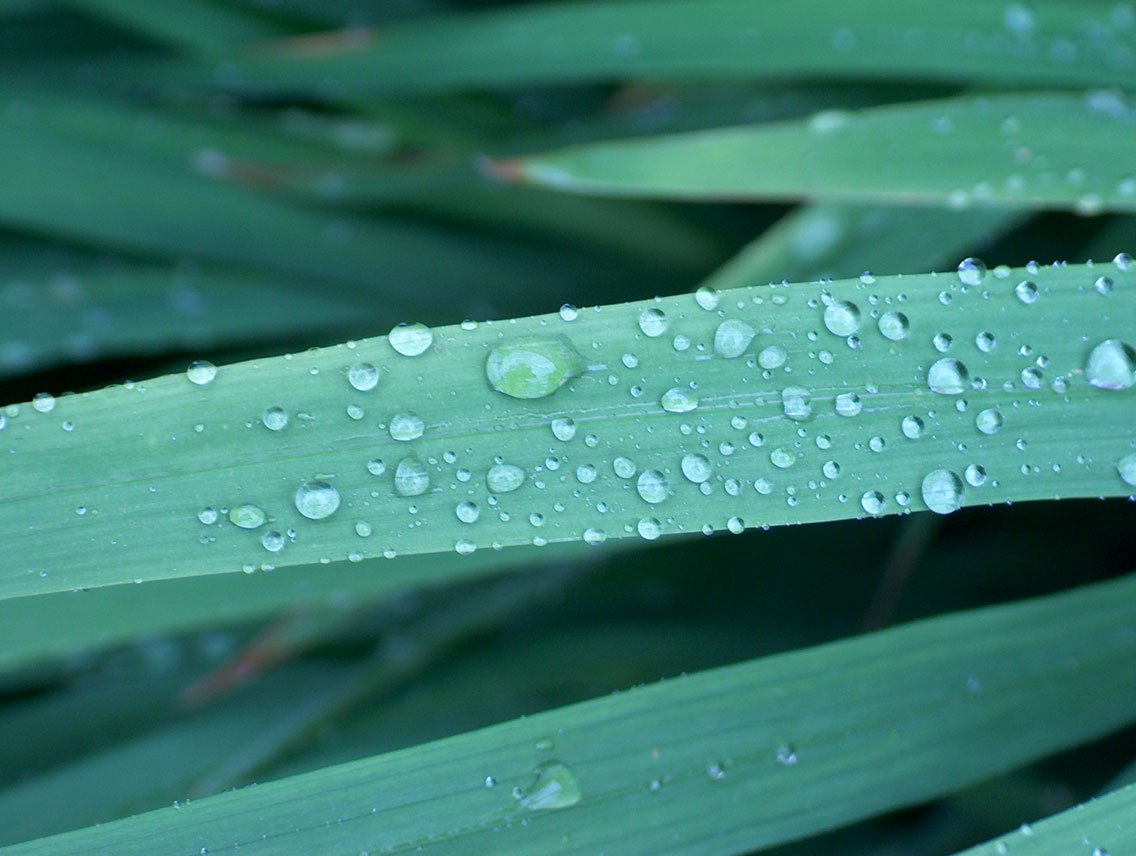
x=1071 y=152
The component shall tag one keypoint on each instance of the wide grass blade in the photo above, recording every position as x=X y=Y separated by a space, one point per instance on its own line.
x=720 y=762
x=759 y=406
x=1048 y=43
x=1057 y=151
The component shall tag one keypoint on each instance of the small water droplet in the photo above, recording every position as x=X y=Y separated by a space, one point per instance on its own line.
x=848 y=404
x=975 y=475
x=568 y=312
x=652 y=486
x=1126 y=468
x=942 y=342
x=842 y=318
x=732 y=338
x=1026 y=292
x=533 y=368
x=678 y=400
x=948 y=377
x=653 y=322
x=988 y=421
x=411 y=478
x=623 y=467
x=316 y=499
x=1103 y=285
x=363 y=377
x=43 y=402
x=707 y=297
x=376 y=466
x=201 y=372
x=467 y=512
x=247 y=516
x=274 y=419
x=772 y=357
x=555 y=787
x=649 y=528
x=208 y=516
x=912 y=427
x=411 y=339
x=272 y=541
x=1111 y=365
x=786 y=756
x=504 y=478
x=363 y=529
x=782 y=458
x=942 y=491
x=563 y=429
x=405 y=427
x=796 y=402
x=894 y=326
x=971 y=271
x=985 y=342
x=696 y=467
x=872 y=502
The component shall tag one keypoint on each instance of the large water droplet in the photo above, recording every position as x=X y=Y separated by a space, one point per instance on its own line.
x=942 y=491
x=316 y=499
x=971 y=271
x=678 y=400
x=842 y=318
x=732 y=338
x=1026 y=292
x=411 y=478
x=247 y=516
x=201 y=372
x=467 y=512
x=649 y=528
x=988 y=421
x=772 y=357
x=796 y=401
x=653 y=322
x=1111 y=365
x=894 y=326
x=563 y=429
x=555 y=787
x=948 y=376
x=363 y=376
x=1126 y=467
x=412 y=339
x=43 y=402
x=274 y=419
x=272 y=541
x=696 y=467
x=652 y=486
x=503 y=478
x=405 y=427
x=872 y=502
x=533 y=368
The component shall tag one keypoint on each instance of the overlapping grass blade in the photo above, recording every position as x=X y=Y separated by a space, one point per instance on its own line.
x=760 y=406
x=723 y=761
x=1048 y=43
x=205 y=26
x=1058 y=151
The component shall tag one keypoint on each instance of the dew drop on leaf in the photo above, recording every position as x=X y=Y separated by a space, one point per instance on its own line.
x=678 y=400
x=842 y=318
x=533 y=368
x=732 y=338
x=316 y=499
x=274 y=419
x=696 y=467
x=1111 y=365
x=363 y=377
x=405 y=427
x=894 y=326
x=942 y=491
x=1126 y=467
x=201 y=372
x=555 y=787
x=652 y=486
x=653 y=322
x=411 y=339
x=504 y=478
x=247 y=516
x=411 y=478
x=948 y=376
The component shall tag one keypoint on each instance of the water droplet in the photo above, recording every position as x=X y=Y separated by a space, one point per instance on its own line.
x=948 y=377
x=247 y=516
x=796 y=402
x=412 y=339
x=405 y=427
x=504 y=478
x=942 y=491
x=971 y=271
x=988 y=421
x=363 y=376
x=848 y=404
x=831 y=469
x=272 y=541
x=985 y=342
x=736 y=525
x=586 y=473
x=842 y=318
x=772 y=357
x=782 y=458
x=376 y=466
x=467 y=512
x=649 y=528
x=274 y=419
x=201 y=372
x=678 y=400
x=464 y=547
x=1103 y=285
x=563 y=429
x=912 y=427
x=568 y=312
x=1026 y=292
x=707 y=297
x=363 y=529
x=555 y=788
x=942 y=342
x=208 y=516
x=623 y=467
x=533 y=368
x=411 y=478
x=872 y=502
x=594 y=536
x=732 y=338
x=975 y=475
x=1111 y=365
x=652 y=486
x=316 y=499
x=894 y=326
x=43 y=402
x=786 y=756
x=1123 y=262
x=1126 y=467
x=653 y=322
x=696 y=467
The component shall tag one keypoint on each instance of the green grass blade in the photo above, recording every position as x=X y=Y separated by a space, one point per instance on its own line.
x=749 y=424
x=1103 y=826
x=1049 y=43
x=199 y=25
x=839 y=241
x=1059 y=151
x=720 y=762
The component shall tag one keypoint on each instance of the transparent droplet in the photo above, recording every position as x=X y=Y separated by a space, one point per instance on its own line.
x=247 y=516
x=707 y=297
x=872 y=502
x=842 y=318
x=563 y=429
x=316 y=499
x=411 y=339
x=786 y=756
x=594 y=536
x=504 y=478
x=363 y=377
x=405 y=427
x=652 y=486
x=1126 y=467
x=649 y=528
x=985 y=342
x=975 y=475
x=796 y=402
x=942 y=491
x=376 y=466
x=201 y=372
x=464 y=547
x=912 y=427
x=272 y=541
x=732 y=338
x=653 y=322
x=782 y=458
x=1111 y=365
x=274 y=419
x=678 y=400
x=736 y=525
x=831 y=469
x=533 y=368
x=971 y=271
x=1026 y=292
x=623 y=467
x=948 y=376
x=555 y=787
x=568 y=312
x=43 y=402
x=411 y=478
x=696 y=467
x=363 y=529
x=894 y=326
x=988 y=421
x=207 y=515
x=848 y=404
x=467 y=512
x=586 y=473
x=772 y=357
x=1103 y=285
x=942 y=342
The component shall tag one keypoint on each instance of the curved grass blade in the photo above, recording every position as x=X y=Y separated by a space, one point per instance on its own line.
x=1058 y=151
x=724 y=761
x=202 y=26
x=1098 y=828
x=763 y=406
x=1047 y=43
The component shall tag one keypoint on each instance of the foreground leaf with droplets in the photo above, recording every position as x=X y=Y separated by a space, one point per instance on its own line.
x=801 y=403
x=724 y=761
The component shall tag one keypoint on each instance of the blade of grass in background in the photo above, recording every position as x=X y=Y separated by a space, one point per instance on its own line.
x=732 y=759
x=1068 y=152
x=1048 y=43
x=789 y=405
